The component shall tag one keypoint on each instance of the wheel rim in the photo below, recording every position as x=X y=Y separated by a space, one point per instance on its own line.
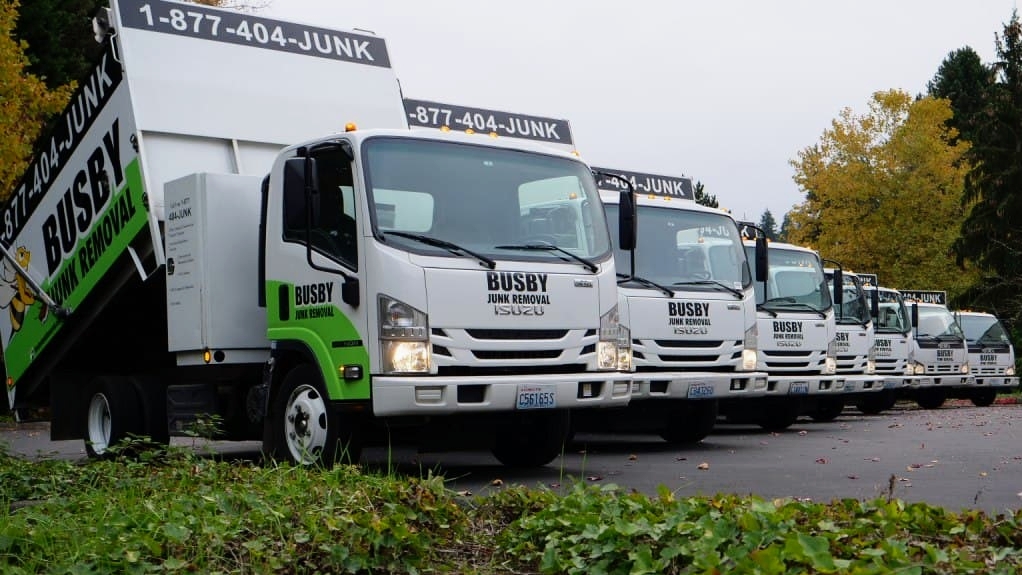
x=99 y=423
x=305 y=425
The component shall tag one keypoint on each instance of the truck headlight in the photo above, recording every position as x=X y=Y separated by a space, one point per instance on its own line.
x=871 y=361
x=1010 y=370
x=607 y=347
x=918 y=368
x=624 y=349
x=830 y=364
x=749 y=358
x=404 y=337
x=964 y=369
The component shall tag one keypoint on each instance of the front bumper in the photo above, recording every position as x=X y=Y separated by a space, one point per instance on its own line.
x=998 y=381
x=861 y=383
x=698 y=385
x=412 y=395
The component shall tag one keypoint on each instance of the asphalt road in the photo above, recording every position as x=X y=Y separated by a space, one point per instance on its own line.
x=956 y=457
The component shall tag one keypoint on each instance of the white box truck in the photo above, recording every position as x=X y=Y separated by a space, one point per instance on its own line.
x=991 y=356
x=855 y=346
x=796 y=343
x=200 y=237
x=893 y=350
x=939 y=353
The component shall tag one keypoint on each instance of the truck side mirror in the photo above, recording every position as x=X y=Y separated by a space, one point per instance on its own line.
x=762 y=259
x=839 y=288
x=915 y=314
x=301 y=202
x=627 y=222
x=874 y=303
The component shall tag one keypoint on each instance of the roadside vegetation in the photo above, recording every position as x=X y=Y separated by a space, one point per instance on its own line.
x=175 y=511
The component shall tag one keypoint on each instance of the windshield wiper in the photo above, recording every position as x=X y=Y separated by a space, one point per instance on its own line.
x=717 y=283
x=550 y=248
x=804 y=306
x=449 y=246
x=625 y=278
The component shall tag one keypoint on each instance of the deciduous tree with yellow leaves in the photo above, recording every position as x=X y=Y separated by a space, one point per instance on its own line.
x=25 y=102
x=884 y=193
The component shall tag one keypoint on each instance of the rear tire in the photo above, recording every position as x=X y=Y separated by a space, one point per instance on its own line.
x=113 y=414
x=983 y=397
x=303 y=428
x=691 y=424
x=931 y=398
x=533 y=440
x=827 y=410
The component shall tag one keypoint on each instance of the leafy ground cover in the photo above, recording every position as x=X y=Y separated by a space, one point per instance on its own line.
x=174 y=511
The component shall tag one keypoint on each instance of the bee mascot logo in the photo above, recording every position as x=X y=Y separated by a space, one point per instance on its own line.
x=14 y=291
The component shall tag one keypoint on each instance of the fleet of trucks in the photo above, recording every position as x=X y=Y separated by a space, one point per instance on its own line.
x=209 y=252
x=236 y=220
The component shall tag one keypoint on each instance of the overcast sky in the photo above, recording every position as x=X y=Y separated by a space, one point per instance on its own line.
x=726 y=92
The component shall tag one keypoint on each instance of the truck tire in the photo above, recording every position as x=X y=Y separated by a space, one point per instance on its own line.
x=877 y=403
x=533 y=440
x=303 y=428
x=827 y=409
x=691 y=424
x=983 y=397
x=113 y=413
x=931 y=398
x=779 y=415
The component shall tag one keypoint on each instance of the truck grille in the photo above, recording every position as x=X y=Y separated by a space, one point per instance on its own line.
x=704 y=355
x=503 y=334
x=512 y=350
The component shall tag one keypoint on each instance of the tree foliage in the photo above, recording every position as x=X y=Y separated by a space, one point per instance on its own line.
x=965 y=81
x=768 y=224
x=25 y=102
x=782 y=234
x=883 y=193
x=991 y=235
x=704 y=199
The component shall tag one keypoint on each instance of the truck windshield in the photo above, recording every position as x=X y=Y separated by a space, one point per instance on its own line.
x=894 y=317
x=795 y=281
x=984 y=330
x=938 y=322
x=479 y=198
x=855 y=307
x=690 y=249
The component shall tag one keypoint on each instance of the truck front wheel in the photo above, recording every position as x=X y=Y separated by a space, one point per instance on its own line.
x=112 y=414
x=779 y=414
x=931 y=398
x=533 y=440
x=827 y=409
x=983 y=397
x=693 y=423
x=304 y=430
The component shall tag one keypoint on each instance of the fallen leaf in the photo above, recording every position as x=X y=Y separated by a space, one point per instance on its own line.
x=822 y=460
x=852 y=476
x=681 y=459
x=554 y=485
x=914 y=466
x=764 y=443
x=633 y=457
x=894 y=425
x=464 y=493
x=982 y=473
x=803 y=433
x=594 y=478
x=703 y=466
x=874 y=459
x=497 y=482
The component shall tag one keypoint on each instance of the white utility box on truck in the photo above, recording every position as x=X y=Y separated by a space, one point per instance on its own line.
x=203 y=237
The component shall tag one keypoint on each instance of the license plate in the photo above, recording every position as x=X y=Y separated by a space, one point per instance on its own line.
x=700 y=390
x=849 y=386
x=798 y=388
x=537 y=396
x=890 y=384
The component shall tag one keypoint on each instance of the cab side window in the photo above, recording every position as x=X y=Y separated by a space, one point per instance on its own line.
x=332 y=231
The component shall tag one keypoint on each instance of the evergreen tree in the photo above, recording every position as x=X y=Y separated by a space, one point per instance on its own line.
x=769 y=225
x=991 y=235
x=782 y=234
x=704 y=199
x=965 y=81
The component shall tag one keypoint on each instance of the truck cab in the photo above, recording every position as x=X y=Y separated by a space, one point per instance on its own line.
x=893 y=351
x=991 y=356
x=939 y=351
x=797 y=331
x=686 y=297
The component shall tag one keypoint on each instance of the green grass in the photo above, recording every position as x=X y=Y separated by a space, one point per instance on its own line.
x=177 y=512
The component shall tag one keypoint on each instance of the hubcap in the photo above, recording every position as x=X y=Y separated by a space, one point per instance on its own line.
x=305 y=426
x=98 y=423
